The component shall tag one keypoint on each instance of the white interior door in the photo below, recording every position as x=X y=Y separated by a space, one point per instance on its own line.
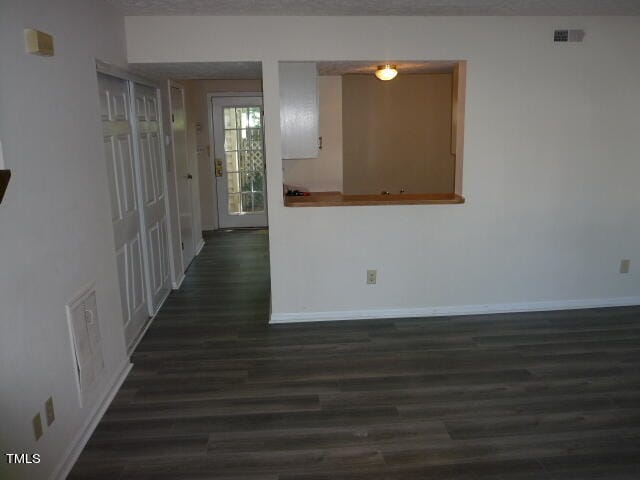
x=240 y=161
x=184 y=176
x=125 y=215
x=152 y=198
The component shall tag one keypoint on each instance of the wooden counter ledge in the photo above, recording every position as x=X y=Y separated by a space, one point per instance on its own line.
x=337 y=199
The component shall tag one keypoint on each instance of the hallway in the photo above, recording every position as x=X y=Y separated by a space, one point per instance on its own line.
x=186 y=362
x=217 y=394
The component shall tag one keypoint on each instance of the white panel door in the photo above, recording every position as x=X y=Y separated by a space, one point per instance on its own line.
x=184 y=176
x=125 y=215
x=152 y=198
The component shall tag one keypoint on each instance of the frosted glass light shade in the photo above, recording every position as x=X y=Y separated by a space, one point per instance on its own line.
x=386 y=72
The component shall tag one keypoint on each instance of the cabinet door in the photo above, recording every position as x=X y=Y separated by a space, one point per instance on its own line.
x=299 y=109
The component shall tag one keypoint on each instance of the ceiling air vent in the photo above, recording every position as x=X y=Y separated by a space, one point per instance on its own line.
x=568 y=35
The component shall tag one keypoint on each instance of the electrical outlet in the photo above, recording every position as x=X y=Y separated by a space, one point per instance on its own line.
x=37 y=426
x=372 y=277
x=49 y=411
x=625 y=265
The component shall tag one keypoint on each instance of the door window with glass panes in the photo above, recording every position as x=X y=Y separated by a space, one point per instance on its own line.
x=244 y=152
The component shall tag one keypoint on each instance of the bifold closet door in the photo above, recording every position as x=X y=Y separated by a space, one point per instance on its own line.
x=125 y=211
x=152 y=169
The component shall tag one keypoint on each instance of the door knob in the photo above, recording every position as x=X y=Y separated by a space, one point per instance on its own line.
x=189 y=176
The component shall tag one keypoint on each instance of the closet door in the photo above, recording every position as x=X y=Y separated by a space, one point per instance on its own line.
x=153 y=191
x=125 y=211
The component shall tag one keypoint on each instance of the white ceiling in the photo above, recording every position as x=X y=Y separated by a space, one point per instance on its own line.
x=200 y=70
x=378 y=7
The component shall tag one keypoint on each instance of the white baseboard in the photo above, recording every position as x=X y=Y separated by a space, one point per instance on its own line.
x=451 y=310
x=141 y=335
x=199 y=246
x=176 y=285
x=209 y=228
x=70 y=457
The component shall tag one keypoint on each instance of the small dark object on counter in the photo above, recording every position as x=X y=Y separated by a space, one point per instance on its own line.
x=297 y=193
x=5 y=175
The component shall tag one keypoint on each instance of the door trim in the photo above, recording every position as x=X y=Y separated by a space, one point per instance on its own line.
x=167 y=203
x=123 y=74
x=179 y=86
x=212 y=141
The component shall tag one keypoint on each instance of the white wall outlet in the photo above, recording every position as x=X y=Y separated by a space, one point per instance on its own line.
x=625 y=265
x=372 y=277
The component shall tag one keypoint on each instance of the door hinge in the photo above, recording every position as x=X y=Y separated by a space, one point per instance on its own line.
x=173 y=118
x=182 y=243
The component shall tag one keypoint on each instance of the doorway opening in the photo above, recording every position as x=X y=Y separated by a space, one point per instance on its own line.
x=215 y=114
x=221 y=177
x=238 y=139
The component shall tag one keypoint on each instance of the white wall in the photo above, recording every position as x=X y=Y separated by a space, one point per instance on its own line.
x=55 y=222
x=551 y=163
x=322 y=174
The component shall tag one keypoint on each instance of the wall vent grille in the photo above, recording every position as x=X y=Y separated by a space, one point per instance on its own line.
x=564 y=36
x=82 y=314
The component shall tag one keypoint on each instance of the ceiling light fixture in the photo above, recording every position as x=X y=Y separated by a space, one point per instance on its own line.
x=386 y=72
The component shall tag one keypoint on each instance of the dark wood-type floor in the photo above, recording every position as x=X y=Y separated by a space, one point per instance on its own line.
x=216 y=393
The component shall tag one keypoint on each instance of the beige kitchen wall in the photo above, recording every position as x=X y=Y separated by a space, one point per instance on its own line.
x=397 y=134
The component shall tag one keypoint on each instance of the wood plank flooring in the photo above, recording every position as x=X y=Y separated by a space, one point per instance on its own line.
x=216 y=393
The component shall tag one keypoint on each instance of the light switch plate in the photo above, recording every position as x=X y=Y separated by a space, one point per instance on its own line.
x=37 y=426
x=625 y=266
x=49 y=411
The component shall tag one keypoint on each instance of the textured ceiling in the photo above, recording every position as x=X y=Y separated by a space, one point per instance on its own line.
x=200 y=70
x=378 y=7
x=404 y=67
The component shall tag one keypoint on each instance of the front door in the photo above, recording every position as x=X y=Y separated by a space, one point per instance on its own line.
x=147 y=118
x=125 y=210
x=239 y=161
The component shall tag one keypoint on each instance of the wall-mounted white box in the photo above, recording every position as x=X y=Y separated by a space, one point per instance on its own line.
x=84 y=327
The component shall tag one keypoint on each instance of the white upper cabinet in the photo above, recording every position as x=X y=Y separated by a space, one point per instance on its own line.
x=299 y=109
